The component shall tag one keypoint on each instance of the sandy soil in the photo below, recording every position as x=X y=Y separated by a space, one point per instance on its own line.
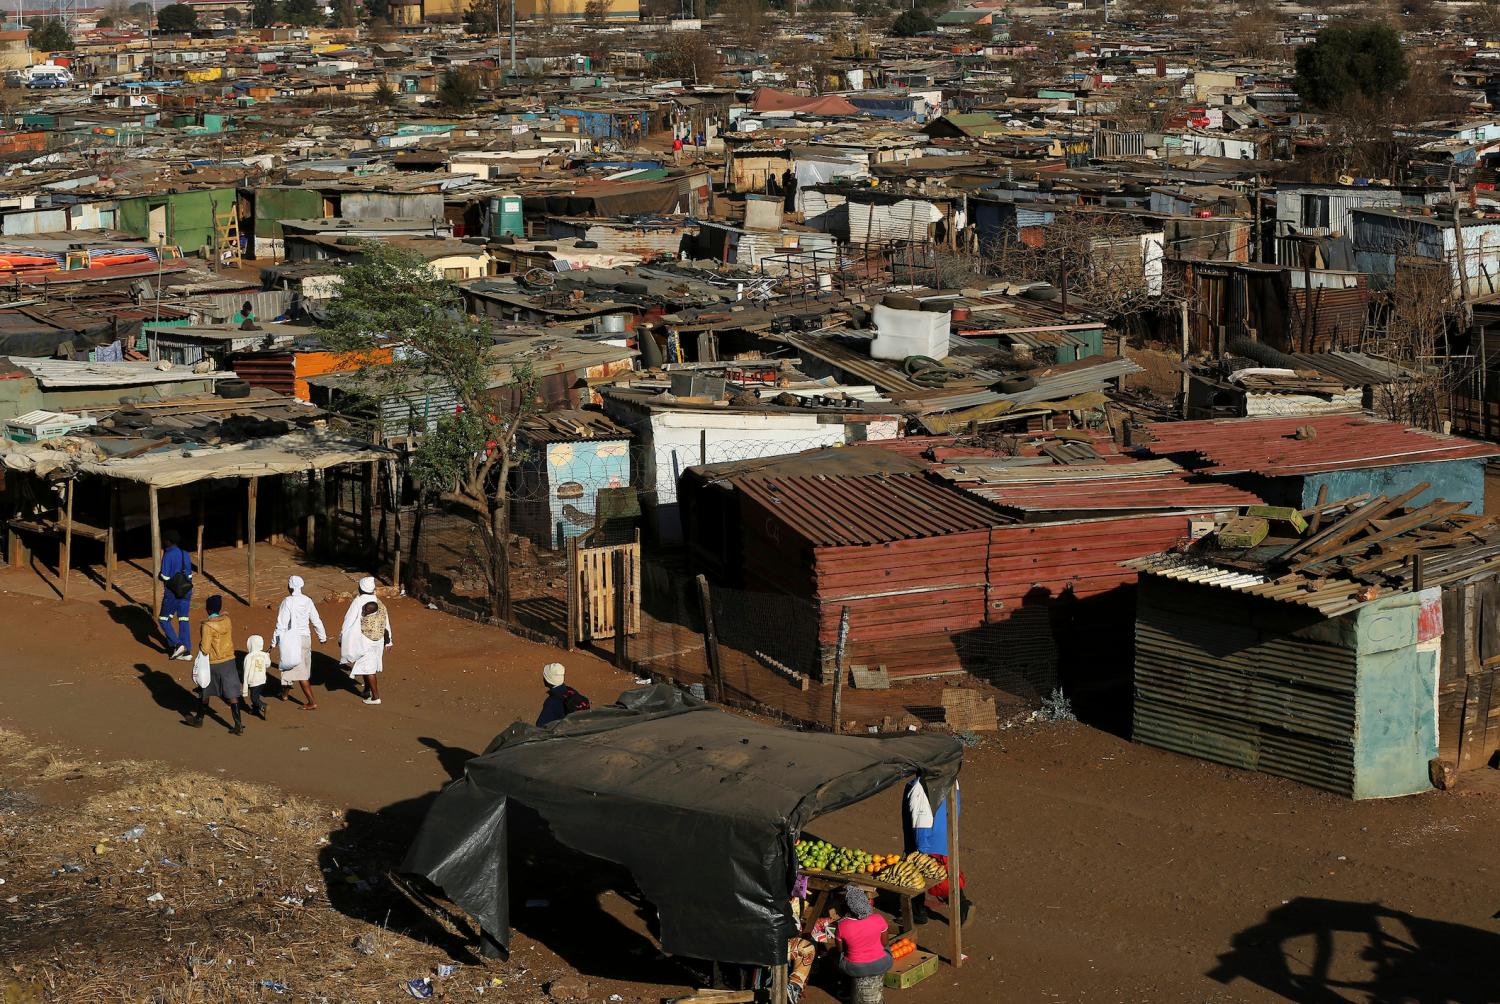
x=1102 y=870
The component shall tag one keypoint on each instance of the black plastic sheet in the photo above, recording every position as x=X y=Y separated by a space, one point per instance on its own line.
x=701 y=806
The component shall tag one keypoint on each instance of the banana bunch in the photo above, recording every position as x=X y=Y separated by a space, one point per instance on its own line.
x=904 y=873
x=932 y=869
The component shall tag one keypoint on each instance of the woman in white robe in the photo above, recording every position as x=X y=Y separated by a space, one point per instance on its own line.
x=364 y=644
x=295 y=621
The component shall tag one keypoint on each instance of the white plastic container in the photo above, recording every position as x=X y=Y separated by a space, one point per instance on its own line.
x=902 y=333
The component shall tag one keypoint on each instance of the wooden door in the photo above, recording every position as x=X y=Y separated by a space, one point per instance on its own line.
x=608 y=579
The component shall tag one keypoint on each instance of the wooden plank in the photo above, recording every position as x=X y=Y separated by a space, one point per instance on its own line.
x=1421 y=517
x=955 y=884
x=251 y=491
x=67 y=547
x=155 y=507
x=573 y=606
x=711 y=640
x=110 y=542
x=1346 y=528
x=1471 y=754
x=840 y=657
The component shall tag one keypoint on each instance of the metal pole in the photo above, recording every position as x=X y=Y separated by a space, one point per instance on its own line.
x=513 y=36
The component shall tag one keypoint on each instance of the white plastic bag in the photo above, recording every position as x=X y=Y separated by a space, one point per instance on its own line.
x=200 y=670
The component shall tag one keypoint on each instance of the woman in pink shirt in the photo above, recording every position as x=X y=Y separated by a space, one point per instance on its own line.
x=861 y=935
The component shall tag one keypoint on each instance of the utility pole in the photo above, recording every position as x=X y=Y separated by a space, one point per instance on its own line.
x=513 y=36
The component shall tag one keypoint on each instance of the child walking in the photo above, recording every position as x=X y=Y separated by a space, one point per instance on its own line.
x=253 y=676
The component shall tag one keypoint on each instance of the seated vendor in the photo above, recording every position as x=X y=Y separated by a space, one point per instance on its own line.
x=861 y=937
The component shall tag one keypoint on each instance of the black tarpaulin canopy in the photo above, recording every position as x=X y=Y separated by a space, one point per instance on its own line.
x=702 y=807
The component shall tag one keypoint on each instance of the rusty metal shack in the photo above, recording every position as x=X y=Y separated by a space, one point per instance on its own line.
x=1352 y=648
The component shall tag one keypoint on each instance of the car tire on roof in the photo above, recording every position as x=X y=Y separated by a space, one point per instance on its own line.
x=232 y=388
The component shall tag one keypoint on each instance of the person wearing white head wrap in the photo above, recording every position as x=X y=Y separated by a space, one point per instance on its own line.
x=353 y=613
x=295 y=621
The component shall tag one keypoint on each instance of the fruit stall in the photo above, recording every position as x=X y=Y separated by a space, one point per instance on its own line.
x=831 y=868
x=704 y=809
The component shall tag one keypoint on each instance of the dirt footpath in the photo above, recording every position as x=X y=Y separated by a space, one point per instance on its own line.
x=1103 y=871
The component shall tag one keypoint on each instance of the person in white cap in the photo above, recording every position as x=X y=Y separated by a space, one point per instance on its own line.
x=562 y=700
x=354 y=613
x=364 y=643
x=295 y=622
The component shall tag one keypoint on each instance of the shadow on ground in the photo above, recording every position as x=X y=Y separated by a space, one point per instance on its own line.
x=1323 y=951
x=586 y=911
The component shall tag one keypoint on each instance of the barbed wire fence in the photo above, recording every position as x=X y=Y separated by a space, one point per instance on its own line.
x=769 y=652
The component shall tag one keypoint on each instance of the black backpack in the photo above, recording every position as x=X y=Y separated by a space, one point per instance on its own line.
x=574 y=701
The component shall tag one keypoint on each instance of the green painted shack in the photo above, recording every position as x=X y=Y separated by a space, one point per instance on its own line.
x=185 y=219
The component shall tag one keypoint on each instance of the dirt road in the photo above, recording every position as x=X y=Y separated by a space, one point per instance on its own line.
x=1104 y=871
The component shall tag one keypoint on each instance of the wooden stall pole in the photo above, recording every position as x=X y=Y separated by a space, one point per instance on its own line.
x=572 y=632
x=367 y=524
x=711 y=640
x=622 y=609
x=779 y=984
x=395 y=500
x=111 y=541
x=839 y=669
x=252 y=484
x=155 y=507
x=67 y=548
x=955 y=882
x=310 y=519
x=202 y=509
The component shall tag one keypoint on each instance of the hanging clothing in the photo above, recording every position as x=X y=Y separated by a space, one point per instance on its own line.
x=295 y=621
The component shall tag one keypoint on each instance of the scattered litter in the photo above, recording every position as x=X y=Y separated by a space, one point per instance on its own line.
x=366 y=944
x=169 y=863
x=445 y=971
x=616 y=997
x=290 y=900
x=421 y=989
x=155 y=897
x=134 y=833
x=642 y=681
x=275 y=986
x=303 y=749
x=102 y=847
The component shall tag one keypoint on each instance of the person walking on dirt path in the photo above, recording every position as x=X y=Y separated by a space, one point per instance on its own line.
x=176 y=597
x=562 y=700
x=216 y=643
x=355 y=611
x=253 y=675
x=365 y=642
x=295 y=621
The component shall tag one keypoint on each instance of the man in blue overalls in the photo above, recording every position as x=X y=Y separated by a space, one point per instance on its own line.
x=176 y=596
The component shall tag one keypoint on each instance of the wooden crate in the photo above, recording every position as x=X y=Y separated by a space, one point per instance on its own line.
x=909 y=970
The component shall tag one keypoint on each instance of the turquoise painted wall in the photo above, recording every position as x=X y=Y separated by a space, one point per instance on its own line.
x=1453 y=480
x=1395 y=725
x=589 y=465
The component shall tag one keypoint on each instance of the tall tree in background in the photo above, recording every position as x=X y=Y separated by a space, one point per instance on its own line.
x=304 y=13
x=1349 y=61
x=49 y=35
x=394 y=300
x=379 y=10
x=177 y=17
x=458 y=89
x=264 y=13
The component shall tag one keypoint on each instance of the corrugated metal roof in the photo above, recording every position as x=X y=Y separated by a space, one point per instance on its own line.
x=838 y=511
x=65 y=373
x=1267 y=446
x=1163 y=492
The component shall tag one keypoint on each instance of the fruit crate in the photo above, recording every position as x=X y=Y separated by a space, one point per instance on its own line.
x=909 y=970
x=39 y=426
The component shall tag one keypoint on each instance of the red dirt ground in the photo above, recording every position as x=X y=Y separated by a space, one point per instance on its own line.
x=1104 y=871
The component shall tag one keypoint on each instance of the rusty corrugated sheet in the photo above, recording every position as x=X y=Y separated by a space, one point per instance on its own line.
x=837 y=511
x=1267 y=446
x=271 y=370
